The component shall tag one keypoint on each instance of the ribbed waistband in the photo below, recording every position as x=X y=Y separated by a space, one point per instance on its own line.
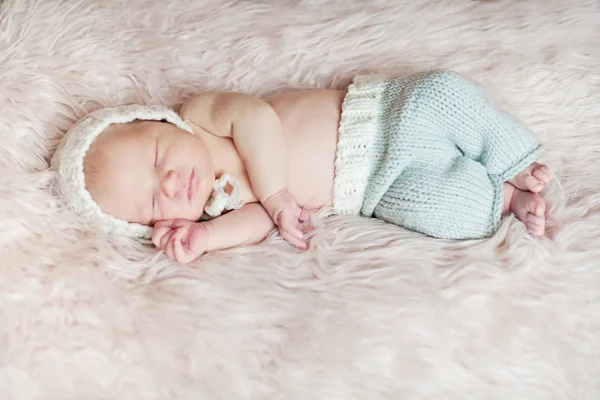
x=357 y=130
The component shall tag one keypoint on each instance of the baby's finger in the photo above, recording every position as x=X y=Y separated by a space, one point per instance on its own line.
x=165 y=223
x=168 y=249
x=179 y=251
x=294 y=241
x=180 y=223
x=291 y=226
x=164 y=241
x=157 y=234
x=174 y=238
x=308 y=228
x=305 y=215
x=297 y=232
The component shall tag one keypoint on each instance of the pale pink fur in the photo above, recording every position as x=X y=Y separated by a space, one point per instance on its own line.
x=372 y=311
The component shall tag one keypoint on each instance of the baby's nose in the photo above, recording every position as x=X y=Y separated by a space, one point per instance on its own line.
x=172 y=184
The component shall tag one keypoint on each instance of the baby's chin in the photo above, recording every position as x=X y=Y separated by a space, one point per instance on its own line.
x=196 y=216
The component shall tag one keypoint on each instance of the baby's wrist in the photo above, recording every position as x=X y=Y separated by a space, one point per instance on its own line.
x=268 y=195
x=207 y=227
x=274 y=195
x=271 y=203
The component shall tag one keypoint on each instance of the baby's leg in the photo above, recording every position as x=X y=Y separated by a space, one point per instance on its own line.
x=449 y=199
x=478 y=128
x=497 y=140
x=528 y=207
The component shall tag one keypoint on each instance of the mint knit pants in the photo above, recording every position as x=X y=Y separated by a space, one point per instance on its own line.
x=439 y=152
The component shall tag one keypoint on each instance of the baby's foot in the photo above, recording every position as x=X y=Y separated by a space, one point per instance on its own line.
x=533 y=178
x=529 y=208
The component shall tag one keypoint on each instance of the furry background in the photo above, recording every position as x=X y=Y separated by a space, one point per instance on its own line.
x=371 y=311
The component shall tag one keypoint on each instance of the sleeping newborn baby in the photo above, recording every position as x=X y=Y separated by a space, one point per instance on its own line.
x=429 y=152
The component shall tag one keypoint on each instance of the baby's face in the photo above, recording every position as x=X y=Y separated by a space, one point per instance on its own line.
x=146 y=171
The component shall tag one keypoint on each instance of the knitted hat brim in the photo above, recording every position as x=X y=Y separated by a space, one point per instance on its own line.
x=68 y=160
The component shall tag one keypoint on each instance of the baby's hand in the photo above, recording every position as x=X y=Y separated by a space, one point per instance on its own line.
x=288 y=216
x=182 y=240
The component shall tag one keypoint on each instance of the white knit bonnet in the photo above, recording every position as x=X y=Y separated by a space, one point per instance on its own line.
x=69 y=156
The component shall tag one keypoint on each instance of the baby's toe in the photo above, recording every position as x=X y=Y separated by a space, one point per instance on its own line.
x=532 y=183
x=535 y=224
x=536 y=205
x=542 y=173
x=533 y=219
x=535 y=230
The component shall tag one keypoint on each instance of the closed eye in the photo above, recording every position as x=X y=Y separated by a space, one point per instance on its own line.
x=154 y=202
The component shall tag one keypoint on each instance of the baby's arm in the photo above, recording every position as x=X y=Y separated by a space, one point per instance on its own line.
x=185 y=240
x=256 y=131
x=248 y=225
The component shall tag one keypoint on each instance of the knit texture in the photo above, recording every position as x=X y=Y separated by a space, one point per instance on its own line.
x=68 y=159
x=357 y=129
x=437 y=152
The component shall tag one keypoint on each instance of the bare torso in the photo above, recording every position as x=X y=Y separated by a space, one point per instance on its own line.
x=310 y=120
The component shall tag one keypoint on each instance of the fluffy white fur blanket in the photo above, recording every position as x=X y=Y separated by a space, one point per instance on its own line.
x=371 y=311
